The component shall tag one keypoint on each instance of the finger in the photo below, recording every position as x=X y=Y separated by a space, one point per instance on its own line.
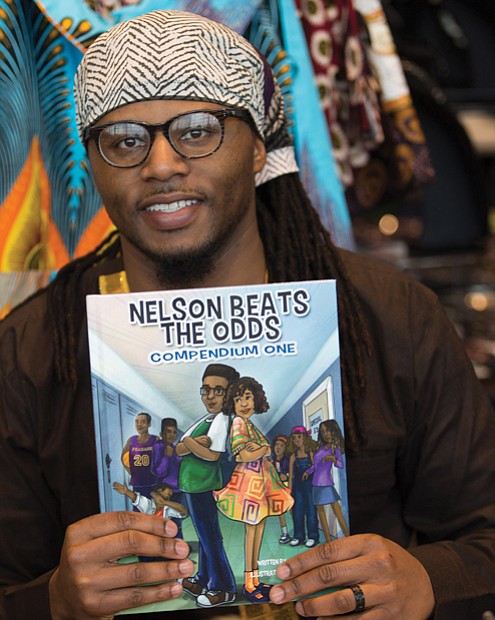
x=107 y=523
x=123 y=544
x=340 y=602
x=319 y=579
x=327 y=553
x=371 y=614
x=330 y=565
x=113 y=601
x=113 y=576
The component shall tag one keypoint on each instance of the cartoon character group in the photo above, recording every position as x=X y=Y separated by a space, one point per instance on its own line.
x=224 y=464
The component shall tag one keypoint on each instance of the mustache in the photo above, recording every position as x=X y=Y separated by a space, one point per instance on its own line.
x=171 y=188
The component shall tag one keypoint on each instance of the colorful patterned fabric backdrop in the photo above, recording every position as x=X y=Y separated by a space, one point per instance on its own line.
x=49 y=209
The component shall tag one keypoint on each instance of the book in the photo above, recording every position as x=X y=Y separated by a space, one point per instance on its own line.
x=247 y=381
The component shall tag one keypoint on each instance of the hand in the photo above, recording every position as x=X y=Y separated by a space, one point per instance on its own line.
x=120 y=488
x=89 y=583
x=252 y=446
x=203 y=440
x=305 y=476
x=394 y=583
x=329 y=458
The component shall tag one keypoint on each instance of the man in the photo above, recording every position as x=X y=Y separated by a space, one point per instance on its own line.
x=136 y=456
x=202 y=447
x=160 y=503
x=212 y=199
x=165 y=462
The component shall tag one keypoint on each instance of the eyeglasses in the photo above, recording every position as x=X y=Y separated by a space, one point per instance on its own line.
x=205 y=390
x=196 y=134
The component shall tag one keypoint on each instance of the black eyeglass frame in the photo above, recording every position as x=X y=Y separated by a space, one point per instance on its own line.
x=95 y=131
x=217 y=390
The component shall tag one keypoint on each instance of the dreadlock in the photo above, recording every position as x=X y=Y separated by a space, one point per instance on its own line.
x=297 y=247
x=66 y=308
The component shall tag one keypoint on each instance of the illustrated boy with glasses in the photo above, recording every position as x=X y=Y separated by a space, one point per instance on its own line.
x=200 y=473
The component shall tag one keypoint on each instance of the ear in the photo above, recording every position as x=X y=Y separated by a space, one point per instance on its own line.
x=259 y=155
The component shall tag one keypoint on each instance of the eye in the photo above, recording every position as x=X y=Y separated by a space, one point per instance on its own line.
x=195 y=128
x=129 y=142
x=124 y=136
x=195 y=133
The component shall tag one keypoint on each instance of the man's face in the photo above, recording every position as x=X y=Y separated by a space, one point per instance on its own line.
x=161 y=496
x=182 y=214
x=214 y=389
x=169 y=435
x=142 y=424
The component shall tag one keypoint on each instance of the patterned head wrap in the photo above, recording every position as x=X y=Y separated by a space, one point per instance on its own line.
x=178 y=55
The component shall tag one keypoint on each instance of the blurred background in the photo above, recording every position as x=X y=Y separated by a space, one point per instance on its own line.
x=392 y=111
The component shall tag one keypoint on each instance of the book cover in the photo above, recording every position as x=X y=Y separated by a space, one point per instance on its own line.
x=222 y=409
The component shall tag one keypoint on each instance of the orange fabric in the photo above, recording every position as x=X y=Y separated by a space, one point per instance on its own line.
x=29 y=238
x=99 y=227
x=254 y=490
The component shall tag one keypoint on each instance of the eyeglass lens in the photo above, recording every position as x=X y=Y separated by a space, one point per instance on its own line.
x=195 y=134
x=206 y=390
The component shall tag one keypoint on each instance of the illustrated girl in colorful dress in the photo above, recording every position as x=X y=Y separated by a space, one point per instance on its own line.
x=255 y=490
x=280 y=460
x=329 y=454
x=301 y=448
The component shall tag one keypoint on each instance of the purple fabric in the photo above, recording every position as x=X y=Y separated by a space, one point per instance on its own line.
x=321 y=469
x=165 y=468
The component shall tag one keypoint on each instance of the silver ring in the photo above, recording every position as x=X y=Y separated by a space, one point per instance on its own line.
x=359 y=598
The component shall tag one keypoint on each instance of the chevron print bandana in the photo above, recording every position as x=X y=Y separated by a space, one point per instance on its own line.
x=179 y=55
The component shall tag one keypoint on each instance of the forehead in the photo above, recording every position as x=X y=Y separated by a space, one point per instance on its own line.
x=244 y=392
x=141 y=417
x=214 y=381
x=156 y=111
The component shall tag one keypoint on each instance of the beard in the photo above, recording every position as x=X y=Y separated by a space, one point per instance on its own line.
x=187 y=268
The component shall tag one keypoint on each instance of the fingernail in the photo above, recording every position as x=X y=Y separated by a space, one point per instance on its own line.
x=283 y=571
x=276 y=595
x=176 y=590
x=170 y=528
x=181 y=547
x=185 y=567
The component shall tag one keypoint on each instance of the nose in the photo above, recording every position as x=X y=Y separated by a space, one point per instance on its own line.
x=162 y=161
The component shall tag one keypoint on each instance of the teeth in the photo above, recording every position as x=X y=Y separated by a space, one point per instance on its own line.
x=171 y=207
